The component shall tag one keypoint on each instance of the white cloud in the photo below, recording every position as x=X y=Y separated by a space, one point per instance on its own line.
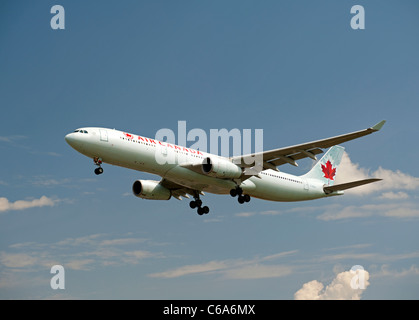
x=192 y=269
x=6 y=205
x=17 y=260
x=85 y=240
x=134 y=257
x=82 y=253
x=345 y=286
x=394 y=210
x=14 y=280
x=270 y=212
x=11 y=139
x=79 y=264
x=121 y=241
x=351 y=246
x=262 y=213
x=351 y=257
x=234 y=268
x=396 y=180
x=245 y=214
x=295 y=210
x=394 y=195
x=310 y=291
x=54 y=154
x=20 y=264
x=278 y=255
x=392 y=180
x=349 y=171
x=43 y=181
x=258 y=271
x=386 y=272
x=367 y=256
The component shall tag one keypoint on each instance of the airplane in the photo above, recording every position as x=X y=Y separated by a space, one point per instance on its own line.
x=195 y=171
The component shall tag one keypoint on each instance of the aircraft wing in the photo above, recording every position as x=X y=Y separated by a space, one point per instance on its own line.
x=277 y=157
x=178 y=190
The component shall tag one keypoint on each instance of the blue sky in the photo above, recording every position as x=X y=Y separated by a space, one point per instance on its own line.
x=294 y=69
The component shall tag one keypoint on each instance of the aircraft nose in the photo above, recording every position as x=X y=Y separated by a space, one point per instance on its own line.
x=70 y=138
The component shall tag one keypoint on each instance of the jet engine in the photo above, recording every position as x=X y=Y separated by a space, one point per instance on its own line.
x=150 y=189
x=220 y=168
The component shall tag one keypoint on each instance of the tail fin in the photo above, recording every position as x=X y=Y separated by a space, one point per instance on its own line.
x=326 y=168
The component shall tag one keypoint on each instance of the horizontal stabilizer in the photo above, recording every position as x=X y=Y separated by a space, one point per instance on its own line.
x=349 y=185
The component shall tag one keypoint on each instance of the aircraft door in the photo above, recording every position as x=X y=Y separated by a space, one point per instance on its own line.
x=103 y=135
x=164 y=150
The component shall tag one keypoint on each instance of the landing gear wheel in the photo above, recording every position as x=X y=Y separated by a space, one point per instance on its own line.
x=241 y=199
x=233 y=192
x=236 y=191
x=192 y=204
x=202 y=210
x=98 y=170
x=198 y=202
x=246 y=198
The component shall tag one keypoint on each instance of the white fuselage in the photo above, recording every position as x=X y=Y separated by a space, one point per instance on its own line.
x=142 y=154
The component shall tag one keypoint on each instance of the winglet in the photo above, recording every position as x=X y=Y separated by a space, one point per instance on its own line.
x=378 y=126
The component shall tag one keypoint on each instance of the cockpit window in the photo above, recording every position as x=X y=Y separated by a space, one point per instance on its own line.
x=76 y=130
x=84 y=131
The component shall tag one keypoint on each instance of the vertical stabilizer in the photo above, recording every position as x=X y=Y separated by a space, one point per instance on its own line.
x=325 y=169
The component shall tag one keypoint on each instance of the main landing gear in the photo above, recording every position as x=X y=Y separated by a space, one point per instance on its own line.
x=98 y=162
x=239 y=192
x=197 y=203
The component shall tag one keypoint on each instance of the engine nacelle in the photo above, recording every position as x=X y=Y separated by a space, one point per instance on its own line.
x=220 y=168
x=150 y=189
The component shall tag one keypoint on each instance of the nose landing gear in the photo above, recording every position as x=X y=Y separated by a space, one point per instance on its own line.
x=98 y=162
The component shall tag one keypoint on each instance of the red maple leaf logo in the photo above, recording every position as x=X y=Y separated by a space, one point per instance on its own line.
x=328 y=170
